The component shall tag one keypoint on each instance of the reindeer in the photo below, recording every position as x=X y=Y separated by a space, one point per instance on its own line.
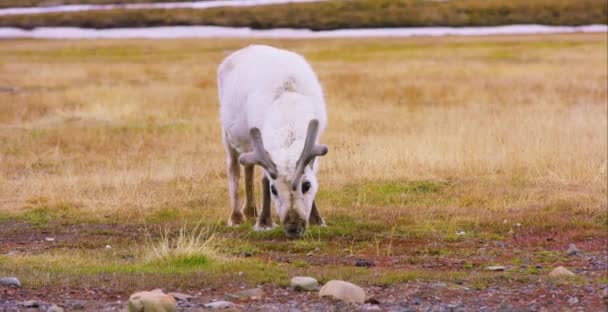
x=272 y=113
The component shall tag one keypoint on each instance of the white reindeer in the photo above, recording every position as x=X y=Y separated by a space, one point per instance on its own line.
x=272 y=112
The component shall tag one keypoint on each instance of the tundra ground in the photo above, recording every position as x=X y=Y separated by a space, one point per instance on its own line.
x=447 y=155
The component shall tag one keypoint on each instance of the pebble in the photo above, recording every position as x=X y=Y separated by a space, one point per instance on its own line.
x=180 y=296
x=54 y=308
x=219 y=305
x=10 y=281
x=304 y=283
x=31 y=304
x=155 y=300
x=496 y=268
x=573 y=300
x=344 y=291
x=439 y=285
x=364 y=263
x=370 y=307
x=573 y=251
x=253 y=293
x=561 y=271
x=50 y=239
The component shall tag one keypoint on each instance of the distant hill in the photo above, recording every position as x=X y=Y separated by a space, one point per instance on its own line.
x=339 y=14
x=42 y=3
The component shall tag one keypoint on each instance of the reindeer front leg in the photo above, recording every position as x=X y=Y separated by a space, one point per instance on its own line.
x=265 y=219
x=250 y=211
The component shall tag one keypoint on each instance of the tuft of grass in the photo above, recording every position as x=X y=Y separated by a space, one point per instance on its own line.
x=187 y=248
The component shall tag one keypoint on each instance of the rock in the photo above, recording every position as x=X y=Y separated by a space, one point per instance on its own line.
x=605 y=293
x=31 y=304
x=151 y=301
x=54 y=308
x=573 y=300
x=439 y=285
x=496 y=268
x=252 y=293
x=561 y=271
x=219 y=305
x=10 y=281
x=344 y=291
x=364 y=263
x=180 y=296
x=77 y=305
x=49 y=239
x=304 y=283
x=370 y=307
x=461 y=233
x=573 y=251
x=500 y=244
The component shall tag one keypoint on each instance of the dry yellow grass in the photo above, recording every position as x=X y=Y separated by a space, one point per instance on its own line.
x=130 y=127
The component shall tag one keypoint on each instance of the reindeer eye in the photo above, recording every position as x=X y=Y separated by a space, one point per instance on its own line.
x=305 y=186
x=273 y=190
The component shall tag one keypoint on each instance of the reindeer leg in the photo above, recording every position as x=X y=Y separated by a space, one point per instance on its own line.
x=234 y=172
x=250 y=211
x=315 y=217
x=265 y=218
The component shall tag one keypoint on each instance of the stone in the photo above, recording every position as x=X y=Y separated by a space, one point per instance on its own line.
x=573 y=300
x=364 y=263
x=251 y=293
x=370 y=307
x=561 y=271
x=439 y=285
x=10 y=281
x=151 y=301
x=304 y=283
x=573 y=251
x=54 y=308
x=605 y=293
x=180 y=296
x=496 y=268
x=344 y=291
x=31 y=304
x=219 y=305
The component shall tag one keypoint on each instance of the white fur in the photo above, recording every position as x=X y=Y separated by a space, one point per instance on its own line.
x=276 y=91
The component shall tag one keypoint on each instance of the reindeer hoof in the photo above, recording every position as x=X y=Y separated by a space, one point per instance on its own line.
x=261 y=227
x=235 y=219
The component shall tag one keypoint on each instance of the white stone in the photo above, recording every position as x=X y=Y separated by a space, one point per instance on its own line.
x=304 y=283
x=496 y=268
x=344 y=291
x=10 y=281
x=54 y=308
x=219 y=305
x=151 y=301
x=561 y=271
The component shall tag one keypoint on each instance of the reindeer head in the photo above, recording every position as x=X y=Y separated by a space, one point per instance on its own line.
x=292 y=188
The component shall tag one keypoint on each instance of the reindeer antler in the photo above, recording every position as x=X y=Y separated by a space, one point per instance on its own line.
x=309 y=152
x=259 y=156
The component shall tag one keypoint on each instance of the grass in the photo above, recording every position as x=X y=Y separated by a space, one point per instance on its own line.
x=502 y=138
x=340 y=14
